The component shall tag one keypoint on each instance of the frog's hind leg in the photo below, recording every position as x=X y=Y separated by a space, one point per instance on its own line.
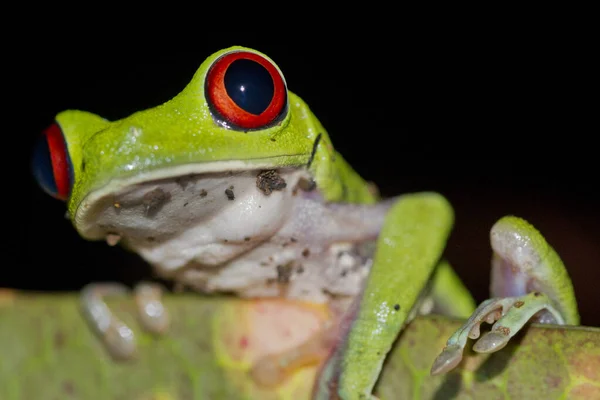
x=117 y=337
x=529 y=282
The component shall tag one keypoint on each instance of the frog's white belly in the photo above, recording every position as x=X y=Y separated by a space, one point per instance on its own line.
x=225 y=232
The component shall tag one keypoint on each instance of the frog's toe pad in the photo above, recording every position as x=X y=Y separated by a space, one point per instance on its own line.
x=448 y=359
x=120 y=341
x=490 y=342
x=116 y=336
x=151 y=311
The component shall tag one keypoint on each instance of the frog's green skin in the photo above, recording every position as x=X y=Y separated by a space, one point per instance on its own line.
x=113 y=152
x=524 y=266
x=180 y=138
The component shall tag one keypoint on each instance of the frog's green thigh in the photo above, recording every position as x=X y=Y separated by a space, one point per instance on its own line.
x=409 y=248
x=528 y=281
x=116 y=336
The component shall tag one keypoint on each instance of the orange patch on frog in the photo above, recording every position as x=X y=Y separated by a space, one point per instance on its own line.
x=248 y=330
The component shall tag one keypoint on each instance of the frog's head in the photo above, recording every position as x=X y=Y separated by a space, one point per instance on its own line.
x=236 y=114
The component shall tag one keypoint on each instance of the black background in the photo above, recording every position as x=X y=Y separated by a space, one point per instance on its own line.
x=499 y=126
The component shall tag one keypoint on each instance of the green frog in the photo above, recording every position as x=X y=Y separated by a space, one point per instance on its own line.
x=234 y=186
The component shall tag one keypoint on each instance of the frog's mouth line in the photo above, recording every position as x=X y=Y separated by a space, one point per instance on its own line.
x=116 y=185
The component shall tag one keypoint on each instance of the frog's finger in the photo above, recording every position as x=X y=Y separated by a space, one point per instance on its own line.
x=452 y=354
x=511 y=314
x=116 y=336
x=521 y=310
x=151 y=311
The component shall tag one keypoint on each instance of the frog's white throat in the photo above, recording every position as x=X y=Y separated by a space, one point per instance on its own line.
x=147 y=212
x=245 y=232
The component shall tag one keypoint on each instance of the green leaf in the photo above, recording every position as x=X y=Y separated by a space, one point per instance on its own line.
x=48 y=352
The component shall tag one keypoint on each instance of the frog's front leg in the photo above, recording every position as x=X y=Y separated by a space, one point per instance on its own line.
x=116 y=336
x=529 y=282
x=408 y=249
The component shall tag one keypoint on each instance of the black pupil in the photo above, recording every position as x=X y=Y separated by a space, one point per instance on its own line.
x=42 y=164
x=249 y=85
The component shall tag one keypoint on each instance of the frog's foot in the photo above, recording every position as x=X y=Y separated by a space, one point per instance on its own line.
x=510 y=314
x=116 y=336
x=529 y=282
x=273 y=369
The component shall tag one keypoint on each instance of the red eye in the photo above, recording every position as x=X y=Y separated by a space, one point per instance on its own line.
x=51 y=163
x=246 y=91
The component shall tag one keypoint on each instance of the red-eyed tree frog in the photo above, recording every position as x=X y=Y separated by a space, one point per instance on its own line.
x=234 y=186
